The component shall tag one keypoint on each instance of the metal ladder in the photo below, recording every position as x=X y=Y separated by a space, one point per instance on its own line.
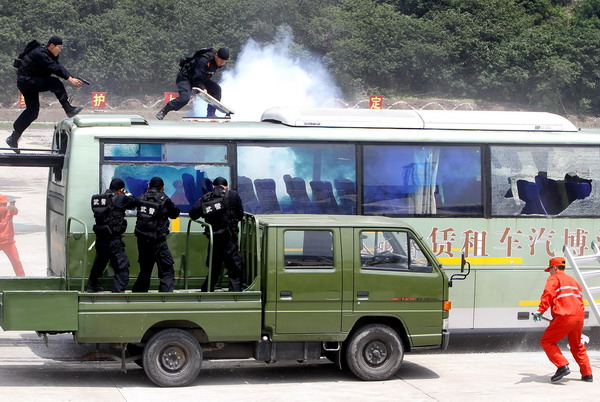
x=581 y=276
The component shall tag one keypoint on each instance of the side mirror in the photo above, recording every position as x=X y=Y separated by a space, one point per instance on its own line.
x=461 y=276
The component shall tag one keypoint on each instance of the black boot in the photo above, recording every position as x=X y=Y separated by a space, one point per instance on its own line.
x=560 y=373
x=587 y=378
x=161 y=113
x=72 y=111
x=13 y=141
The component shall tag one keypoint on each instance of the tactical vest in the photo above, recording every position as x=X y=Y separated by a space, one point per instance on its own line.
x=109 y=220
x=151 y=222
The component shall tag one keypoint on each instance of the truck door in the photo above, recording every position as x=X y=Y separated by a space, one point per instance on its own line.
x=395 y=278
x=309 y=282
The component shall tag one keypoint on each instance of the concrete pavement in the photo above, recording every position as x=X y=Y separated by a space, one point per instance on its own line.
x=31 y=371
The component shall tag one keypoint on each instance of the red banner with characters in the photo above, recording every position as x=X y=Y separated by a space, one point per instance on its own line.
x=376 y=102
x=98 y=100
x=21 y=100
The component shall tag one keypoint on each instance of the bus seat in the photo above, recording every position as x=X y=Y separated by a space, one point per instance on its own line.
x=323 y=197
x=550 y=194
x=135 y=186
x=529 y=192
x=245 y=189
x=296 y=189
x=346 y=192
x=577 y=191
x=267 y=196
x=189 y=186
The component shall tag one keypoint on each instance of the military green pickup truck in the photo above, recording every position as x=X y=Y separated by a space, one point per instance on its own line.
x=360 y=291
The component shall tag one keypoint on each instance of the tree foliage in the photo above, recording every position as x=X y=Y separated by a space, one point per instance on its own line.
x=540 y=53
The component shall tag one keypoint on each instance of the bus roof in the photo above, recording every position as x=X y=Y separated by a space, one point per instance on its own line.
x=420 y=119
x=136 y=128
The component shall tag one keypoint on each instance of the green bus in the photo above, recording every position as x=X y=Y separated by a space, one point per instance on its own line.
x=507 y=189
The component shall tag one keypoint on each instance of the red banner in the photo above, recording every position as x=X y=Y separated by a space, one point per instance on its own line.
x=98 y=100
x=21 y=100
x=169 y=96
x=376 y=102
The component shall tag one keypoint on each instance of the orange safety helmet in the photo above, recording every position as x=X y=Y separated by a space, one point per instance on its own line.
x=555 y=261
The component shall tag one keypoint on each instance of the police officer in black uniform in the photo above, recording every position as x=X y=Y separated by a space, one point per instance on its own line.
x=109 y=212
x=224 y=221
x=34 y=75
x=199 y=76
x=151 y=228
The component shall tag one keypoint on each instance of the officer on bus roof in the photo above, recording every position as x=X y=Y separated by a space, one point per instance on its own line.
x=36 y=65
x=196 y=72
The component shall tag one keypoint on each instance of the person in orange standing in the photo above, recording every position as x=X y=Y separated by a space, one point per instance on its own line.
x=562 y=295
x=7 y=234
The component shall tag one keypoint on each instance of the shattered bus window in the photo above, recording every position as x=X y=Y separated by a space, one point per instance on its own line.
x=548 y=181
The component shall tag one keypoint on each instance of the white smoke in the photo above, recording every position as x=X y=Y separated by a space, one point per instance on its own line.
x=268 y=75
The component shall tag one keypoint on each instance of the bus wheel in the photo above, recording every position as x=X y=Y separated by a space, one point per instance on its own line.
x=374 y=352
x=172 y=358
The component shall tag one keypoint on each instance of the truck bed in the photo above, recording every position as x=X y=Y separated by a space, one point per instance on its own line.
x=114 y=318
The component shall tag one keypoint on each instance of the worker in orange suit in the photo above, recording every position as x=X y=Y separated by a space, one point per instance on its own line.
x=7 y=234
x=562 y=295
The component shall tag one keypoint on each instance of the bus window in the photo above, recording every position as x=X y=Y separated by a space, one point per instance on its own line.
x=422 y=180
x=187 y=169
x=297 y=179
x=548 y=181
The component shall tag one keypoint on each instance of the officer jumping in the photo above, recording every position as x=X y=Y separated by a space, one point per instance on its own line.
x=34 y=75
x=109 y=212
x=197 y=73
x=151 y=229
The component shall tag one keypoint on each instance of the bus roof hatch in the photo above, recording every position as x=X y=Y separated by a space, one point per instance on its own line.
x=420 y=119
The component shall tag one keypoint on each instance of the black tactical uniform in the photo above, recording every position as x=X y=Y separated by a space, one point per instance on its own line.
x=34 y=75
x=199 y=76
x=151 y=228
x=225 y=231
x=109 y=212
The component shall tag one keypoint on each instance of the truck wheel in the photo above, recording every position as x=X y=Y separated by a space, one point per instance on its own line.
x=172 y=358
x=374 y=352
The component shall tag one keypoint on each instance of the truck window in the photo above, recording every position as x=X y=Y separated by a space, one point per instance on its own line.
x=308 y=249
x=392 y=251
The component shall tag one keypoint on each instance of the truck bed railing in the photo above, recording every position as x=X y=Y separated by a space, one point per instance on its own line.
x=184 y=258
x=83 y=263
x=250 y=246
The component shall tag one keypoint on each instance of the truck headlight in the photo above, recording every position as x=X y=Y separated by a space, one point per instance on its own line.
x=445 y=324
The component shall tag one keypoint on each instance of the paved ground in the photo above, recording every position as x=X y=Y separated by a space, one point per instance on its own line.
x=474 y=368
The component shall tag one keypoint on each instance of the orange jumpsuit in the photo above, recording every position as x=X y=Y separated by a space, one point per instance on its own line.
x=562 y=295
x=7 y=239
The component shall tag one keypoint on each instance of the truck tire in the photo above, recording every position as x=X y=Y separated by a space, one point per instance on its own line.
x=374 y=353
x=172 y=358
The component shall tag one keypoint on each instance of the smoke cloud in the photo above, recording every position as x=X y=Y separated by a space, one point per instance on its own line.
x=268 y=75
